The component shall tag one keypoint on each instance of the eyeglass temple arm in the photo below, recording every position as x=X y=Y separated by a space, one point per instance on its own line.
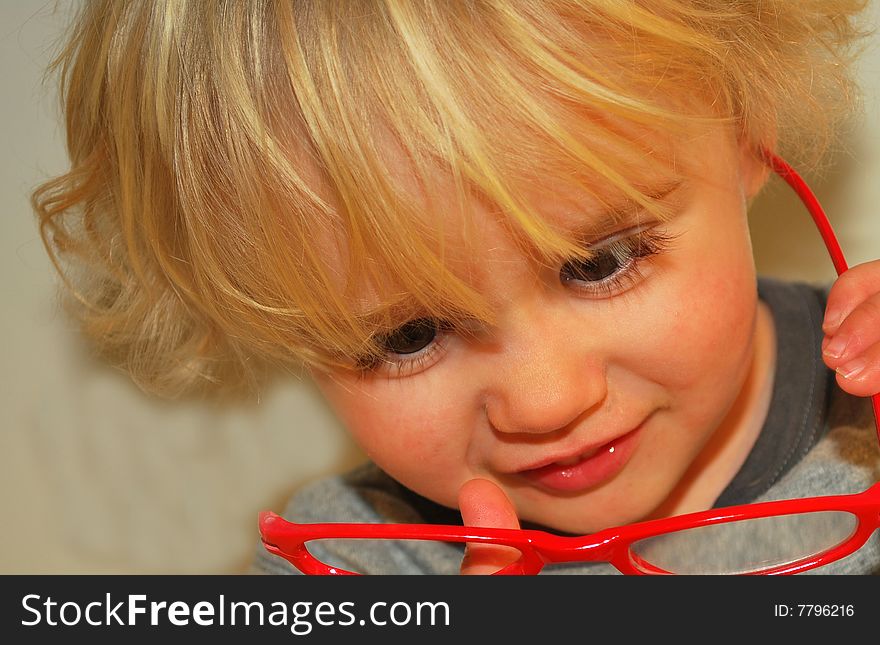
x=793 y=179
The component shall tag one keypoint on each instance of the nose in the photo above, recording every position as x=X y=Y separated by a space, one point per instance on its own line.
x=547 y=375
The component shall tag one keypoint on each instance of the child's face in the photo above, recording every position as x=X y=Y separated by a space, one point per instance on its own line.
x=600 y=386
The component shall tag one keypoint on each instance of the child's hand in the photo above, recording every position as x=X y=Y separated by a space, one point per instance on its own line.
x=483 y=504
x=852 y=329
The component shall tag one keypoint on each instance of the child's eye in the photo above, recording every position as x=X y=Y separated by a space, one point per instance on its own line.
x=616 y=263
x=603 y=265
x=409 y=349
x=410 y=338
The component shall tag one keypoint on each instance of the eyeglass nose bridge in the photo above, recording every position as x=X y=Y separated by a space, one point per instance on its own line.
x=546 y=548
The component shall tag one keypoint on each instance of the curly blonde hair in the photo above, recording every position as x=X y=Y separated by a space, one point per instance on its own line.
x=219 y=149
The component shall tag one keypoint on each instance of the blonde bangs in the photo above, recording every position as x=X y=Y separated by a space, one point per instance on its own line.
x=268 y=181
x=475 y=118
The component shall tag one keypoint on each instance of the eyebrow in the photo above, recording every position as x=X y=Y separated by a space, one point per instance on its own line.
x=612 y=216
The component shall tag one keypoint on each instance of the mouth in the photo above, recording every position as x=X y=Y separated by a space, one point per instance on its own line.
x=587 y=469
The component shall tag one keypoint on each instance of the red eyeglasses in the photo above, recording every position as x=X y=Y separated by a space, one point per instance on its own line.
x=781 y=537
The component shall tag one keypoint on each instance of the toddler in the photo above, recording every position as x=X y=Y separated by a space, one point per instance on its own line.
x=508 y=240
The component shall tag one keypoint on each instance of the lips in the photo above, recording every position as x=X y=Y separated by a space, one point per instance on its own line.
x=586 y=469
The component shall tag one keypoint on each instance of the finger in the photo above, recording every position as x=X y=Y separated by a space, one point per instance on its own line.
x=852 y=288
x=861 y=375
x=858 y=331
x=484 y=504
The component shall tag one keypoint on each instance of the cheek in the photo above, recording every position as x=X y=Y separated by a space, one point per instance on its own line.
x=714 y=331
x=419 y=440
x=704 y=328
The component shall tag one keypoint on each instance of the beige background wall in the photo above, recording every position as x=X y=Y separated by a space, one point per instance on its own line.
x=97 y=477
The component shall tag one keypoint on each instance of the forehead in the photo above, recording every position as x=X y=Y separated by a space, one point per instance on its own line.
x=469 y=232
x=630 y=158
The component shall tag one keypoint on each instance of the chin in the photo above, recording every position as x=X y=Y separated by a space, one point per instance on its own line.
x=565 y=524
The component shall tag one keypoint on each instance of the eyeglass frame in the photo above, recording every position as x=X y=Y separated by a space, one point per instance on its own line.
x=612 y=545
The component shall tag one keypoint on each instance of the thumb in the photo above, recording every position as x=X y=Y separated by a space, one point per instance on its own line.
x=484 y=504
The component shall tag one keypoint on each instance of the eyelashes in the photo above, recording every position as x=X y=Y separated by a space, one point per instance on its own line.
x=616 y=263
x=615 y=266
x=409 y=349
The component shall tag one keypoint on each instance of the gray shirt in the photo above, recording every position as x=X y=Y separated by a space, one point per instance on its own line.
x=816 y=440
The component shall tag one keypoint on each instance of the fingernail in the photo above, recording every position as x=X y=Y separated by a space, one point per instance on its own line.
x=832 y=320
x=852 y=369
x=836 y=347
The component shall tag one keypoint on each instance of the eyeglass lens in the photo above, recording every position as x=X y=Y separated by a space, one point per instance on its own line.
x=746 y=546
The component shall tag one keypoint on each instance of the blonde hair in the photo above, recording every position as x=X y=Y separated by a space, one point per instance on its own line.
x=222 y=152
